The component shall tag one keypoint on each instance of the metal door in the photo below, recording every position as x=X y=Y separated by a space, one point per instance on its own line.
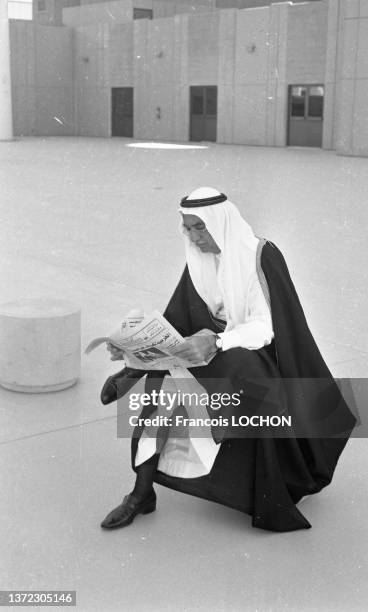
x=122 y=111
x=203 y=113
x=305 y=115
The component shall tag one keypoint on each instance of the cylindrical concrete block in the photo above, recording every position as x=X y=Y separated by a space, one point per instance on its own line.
x=40 y=345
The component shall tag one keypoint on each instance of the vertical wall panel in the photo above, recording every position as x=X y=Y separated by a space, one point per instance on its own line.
x=42 y=79
x=307 y=42
x=351 y=125
x=181 y=86
x=141 y=77
x=203 y=49
x=226 y=76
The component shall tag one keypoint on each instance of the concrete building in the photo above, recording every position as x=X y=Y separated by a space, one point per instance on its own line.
x=50 y=12
x=274 y=75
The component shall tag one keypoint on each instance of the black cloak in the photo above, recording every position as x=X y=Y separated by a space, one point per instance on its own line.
x=266 y=476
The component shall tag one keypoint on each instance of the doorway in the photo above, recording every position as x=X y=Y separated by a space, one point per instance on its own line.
x=203 y=113
x=305 y=115
x=122 y=105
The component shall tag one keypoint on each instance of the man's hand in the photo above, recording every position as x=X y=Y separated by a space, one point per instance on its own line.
x=116 y=353
x=199 y=347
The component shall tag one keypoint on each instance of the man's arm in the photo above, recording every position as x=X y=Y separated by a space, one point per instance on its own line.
x=253 y=334
x=257 y=330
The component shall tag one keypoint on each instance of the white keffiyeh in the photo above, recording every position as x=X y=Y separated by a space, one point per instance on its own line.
x=229 y=281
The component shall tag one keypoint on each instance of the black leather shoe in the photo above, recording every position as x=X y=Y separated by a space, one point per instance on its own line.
x=127 y=511
x=117 y=385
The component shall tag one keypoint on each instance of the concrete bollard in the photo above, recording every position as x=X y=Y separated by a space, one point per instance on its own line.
x=39 y=345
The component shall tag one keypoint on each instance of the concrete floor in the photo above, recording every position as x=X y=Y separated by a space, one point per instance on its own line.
x=95 y=221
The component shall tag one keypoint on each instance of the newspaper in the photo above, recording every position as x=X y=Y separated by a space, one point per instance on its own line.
x=148 y=342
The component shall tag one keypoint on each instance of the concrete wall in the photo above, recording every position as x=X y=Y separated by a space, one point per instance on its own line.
x=306 y=43
x=351 y=115
x=153 y=82
x=203 y=49
x=252 y=76
x=121 y=44
x=120 y=11
x=169 y=56
x=226 y=76
x=53 y=13
x=160 y=8
x=169 y=8
x=42 y=79
x=159 y=58
x=241 y=4
x=92 y=85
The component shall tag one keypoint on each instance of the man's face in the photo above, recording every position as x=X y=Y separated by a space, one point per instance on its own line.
x=195 y=228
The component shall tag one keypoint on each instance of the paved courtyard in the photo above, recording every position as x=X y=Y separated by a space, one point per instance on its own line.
x=95 y=221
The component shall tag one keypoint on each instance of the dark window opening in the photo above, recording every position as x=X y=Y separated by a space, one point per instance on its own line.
x=197 y=104
x=298 y=98
x=306 y=101
x=139 y=13
x=315 y=101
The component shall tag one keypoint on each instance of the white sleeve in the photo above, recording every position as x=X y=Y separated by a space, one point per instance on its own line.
x=257 y=331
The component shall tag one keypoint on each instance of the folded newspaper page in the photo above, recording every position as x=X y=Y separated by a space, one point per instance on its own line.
x=148 y=342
